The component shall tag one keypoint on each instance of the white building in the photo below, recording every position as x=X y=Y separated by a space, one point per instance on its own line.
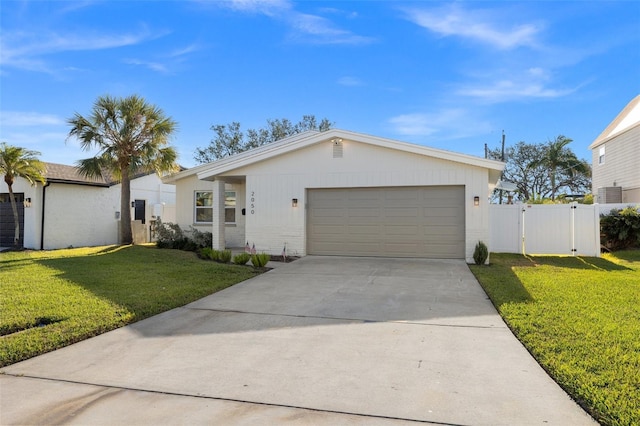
x=72 y=210
x=616 y=158
x=341 y=193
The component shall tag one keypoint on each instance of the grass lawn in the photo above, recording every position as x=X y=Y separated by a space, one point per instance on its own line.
x=50 y=299
x=580 y=318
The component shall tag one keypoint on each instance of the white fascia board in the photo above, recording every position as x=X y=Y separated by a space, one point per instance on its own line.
x=264 y=152
x=174 y=177
x=309 y=138
x=428 y=151
x=603 y=141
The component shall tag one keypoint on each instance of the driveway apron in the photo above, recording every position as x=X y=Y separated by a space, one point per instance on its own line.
x=322 y=340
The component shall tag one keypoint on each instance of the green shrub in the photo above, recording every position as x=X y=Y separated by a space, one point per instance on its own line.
x=170 y=235
x=241 y=259
x=620 y=229
x=206 y=253
x=481 y=253
x=260 y=260
x=201 y=239
x=214 y=255
x=224 y=256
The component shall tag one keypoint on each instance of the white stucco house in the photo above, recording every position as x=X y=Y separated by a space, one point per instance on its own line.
x=616 y=158
x=72 y=210
x=341 y=193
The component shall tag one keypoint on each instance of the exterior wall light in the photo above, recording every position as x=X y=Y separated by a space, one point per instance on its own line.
x=476 y=201
x=294 y=202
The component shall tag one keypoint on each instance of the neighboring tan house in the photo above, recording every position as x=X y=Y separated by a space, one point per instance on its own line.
x=616 y=158
x=341 y=193
x=72 y=210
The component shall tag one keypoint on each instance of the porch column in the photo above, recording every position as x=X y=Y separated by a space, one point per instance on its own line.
x=218 y=215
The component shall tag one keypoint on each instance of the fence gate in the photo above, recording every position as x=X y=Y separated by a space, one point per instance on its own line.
x=561 y=229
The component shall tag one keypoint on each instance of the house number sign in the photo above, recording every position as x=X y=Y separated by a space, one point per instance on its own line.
x=253 y=202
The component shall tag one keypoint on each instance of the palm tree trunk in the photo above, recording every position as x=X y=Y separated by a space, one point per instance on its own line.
x=16 y=218
x=126 y=235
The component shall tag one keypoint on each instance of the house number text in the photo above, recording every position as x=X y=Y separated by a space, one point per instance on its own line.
x=253 y=202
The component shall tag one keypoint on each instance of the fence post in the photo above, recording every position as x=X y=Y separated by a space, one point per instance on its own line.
x=523 y=233
x=573 y=228
x=596 y=220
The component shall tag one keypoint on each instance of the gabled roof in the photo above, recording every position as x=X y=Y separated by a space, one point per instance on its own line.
x=628 y=118
x=302 y=140
x=60 y=173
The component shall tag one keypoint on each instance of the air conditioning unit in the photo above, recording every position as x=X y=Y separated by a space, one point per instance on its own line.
x=610 y=195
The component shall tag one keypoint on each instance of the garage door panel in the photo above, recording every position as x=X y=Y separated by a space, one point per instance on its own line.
x=440 y=211
x=329 y=229
x=401 y=222
x=365 y=229
x=441 y=231
x=363 y=212
x=405 y=230
x=394 y=212
x=329 y=221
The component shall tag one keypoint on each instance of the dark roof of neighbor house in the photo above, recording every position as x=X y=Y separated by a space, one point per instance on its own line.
x=60 y=173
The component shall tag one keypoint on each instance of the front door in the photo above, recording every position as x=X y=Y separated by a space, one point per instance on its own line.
x=7 y=225
x=140 y=213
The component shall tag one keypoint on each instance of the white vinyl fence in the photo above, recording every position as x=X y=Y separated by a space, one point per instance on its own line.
x=559 y=229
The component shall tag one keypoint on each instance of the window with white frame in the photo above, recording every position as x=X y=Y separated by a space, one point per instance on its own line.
x=204 y=206
x=601 y=155
x=230 y=207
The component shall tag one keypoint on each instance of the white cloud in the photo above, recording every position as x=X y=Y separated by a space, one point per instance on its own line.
x=509 y=85
x=505 y=90
x=317 y=29
x=453 y=20
x=451 y=123
x=28 y=119
x=27 y=50
x=265 y=7
x=308 y=28
x=350 y=81
x=153 y=66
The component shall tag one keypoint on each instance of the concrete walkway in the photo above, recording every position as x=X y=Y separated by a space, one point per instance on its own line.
x=322 y=340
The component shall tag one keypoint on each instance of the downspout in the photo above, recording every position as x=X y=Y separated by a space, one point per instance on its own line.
x=44 y=197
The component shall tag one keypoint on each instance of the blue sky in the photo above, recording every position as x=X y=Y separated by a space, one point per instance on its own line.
x=450 y=75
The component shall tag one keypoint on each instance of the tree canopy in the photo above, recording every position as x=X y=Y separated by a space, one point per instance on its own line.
x=16 y=162
x=131 y=136
x=544 y=170
x=229 y=139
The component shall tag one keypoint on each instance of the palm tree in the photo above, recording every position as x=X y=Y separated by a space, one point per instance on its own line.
x=559 y=159
x=19 y=162
x=131 y=137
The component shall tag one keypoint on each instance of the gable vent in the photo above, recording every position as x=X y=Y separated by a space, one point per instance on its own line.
x=337 y=147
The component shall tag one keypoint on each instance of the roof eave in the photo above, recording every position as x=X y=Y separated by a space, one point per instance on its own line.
x=601 y=141
x=292 y=144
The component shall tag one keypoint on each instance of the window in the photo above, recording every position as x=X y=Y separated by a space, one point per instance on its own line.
x=204 y=206
x=601 y=155
x=230 y=207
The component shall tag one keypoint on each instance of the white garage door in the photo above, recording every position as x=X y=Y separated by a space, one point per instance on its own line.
x=394 y=222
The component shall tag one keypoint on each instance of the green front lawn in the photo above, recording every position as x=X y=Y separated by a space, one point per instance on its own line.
x=580 y=318
x=50 y=299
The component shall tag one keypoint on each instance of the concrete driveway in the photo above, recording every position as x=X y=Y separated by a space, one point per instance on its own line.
x=322 y=340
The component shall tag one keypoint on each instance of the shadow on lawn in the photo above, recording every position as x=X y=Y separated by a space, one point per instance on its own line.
x=628 y=255
x=144 y=280
x=578 y=262
x=499 y=280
